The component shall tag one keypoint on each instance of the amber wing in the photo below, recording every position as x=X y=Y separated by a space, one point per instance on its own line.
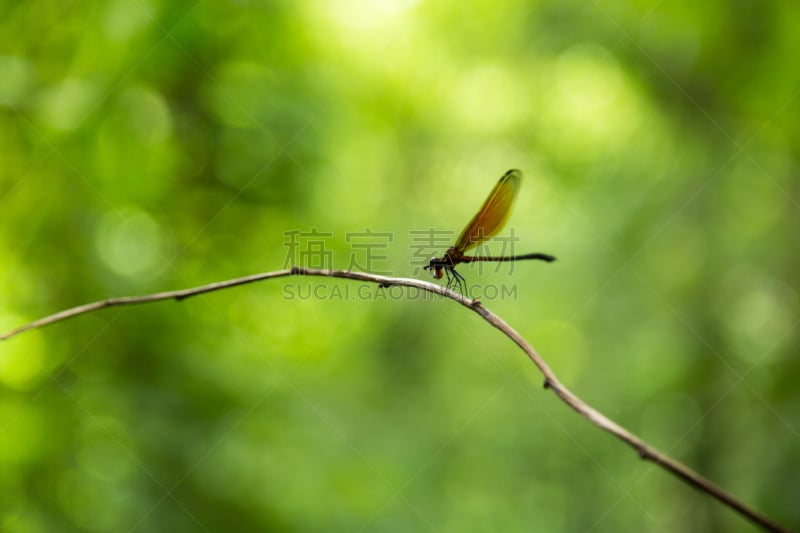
x=493 y=214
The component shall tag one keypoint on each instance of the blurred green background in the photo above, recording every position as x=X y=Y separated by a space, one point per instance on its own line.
x=156 y=145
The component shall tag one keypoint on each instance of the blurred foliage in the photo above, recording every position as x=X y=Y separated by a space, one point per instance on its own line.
x=153 y=145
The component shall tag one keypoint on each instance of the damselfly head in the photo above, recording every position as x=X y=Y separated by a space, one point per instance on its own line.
x=435 y=268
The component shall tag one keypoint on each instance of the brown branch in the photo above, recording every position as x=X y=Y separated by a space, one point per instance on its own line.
x=551 y=382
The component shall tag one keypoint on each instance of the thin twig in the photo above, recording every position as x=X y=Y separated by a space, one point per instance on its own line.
x=551 y=381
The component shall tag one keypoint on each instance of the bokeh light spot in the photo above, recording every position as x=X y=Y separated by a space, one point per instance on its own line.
x=89 y=503
x=25 y=521
x=587 y=77
x=591 y=107
x=129 y=242
x=103 y=454
x=149 y=114
x=488 y=98
x=123 y=18
x=64 y=106
x=240 y=94
x=22 y=362
x=16 y=81
x=25 y=433
x=368 y=14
